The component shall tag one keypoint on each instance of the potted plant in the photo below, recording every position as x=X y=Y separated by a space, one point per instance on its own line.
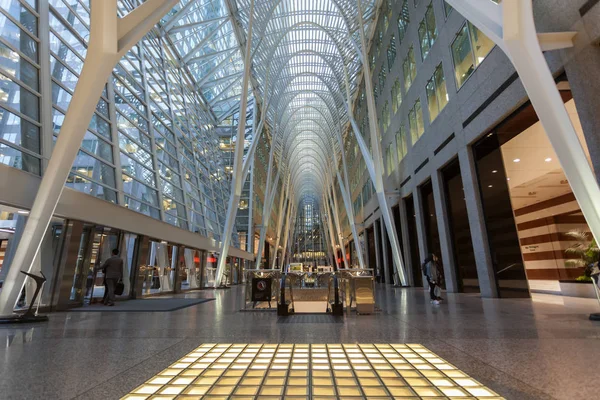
x=585 y=254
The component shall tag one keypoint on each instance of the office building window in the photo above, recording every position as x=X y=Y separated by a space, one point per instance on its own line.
x=469 y=49
x=427 y=31
x=379 y=42
x=390 y=162
x=409 y=68
x=401 y=148
x=415 y=119
x=382 y=78
x=385 y=117
x=403 y=21
x=437 y=95
x=447 y=8
x=391 y=53
x=396 y=96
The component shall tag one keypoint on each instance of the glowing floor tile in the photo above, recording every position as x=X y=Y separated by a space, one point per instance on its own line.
x=318 y=371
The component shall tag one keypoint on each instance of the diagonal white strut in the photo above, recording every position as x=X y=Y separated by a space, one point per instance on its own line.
x=237 y=182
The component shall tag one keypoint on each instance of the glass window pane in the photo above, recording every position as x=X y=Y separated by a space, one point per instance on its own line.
x=432 y=32
x=14 y=158
x=97 y=147
x=17 y=67
x=92 y=168
x=19 y=131
x=19 y=98
x=440 y=87
x=84 y=185
x=142 y=208
x=462 y=56
x=482 y=45
x=423 y=40
x=140 y=191
x=431 y=100
x=137 y=170
x=20 y=40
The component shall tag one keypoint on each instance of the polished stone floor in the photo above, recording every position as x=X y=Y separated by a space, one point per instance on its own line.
x=520 y=349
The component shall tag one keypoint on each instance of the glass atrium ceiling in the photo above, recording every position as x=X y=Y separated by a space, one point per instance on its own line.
x=302 y=51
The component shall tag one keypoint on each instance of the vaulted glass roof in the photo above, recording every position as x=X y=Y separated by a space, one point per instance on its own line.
x=305 y=70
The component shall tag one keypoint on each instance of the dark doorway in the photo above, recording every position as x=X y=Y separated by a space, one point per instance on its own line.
x=430 y=218
x=460 y=237
x=413 y=241
x=380 y=273
x=372 y=262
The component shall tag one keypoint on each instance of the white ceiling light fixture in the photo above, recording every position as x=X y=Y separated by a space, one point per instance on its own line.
x=516 y=160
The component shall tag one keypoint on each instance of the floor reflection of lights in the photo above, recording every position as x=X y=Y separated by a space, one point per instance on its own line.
x=317 y=371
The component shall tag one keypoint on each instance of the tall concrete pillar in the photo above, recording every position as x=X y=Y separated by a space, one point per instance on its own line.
x=444 y=232
x=479 y=237
x=582 y=72
x=421 y=230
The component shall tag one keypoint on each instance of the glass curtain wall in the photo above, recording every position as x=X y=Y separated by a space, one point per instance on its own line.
x=309 y=241
x=151 y=145
x=20 y=92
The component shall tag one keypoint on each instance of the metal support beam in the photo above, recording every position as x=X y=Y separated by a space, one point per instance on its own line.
x=280 y=219
x=377 y=161
x=237 y=181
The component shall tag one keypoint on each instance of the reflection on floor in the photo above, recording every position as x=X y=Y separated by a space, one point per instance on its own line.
x=300 y=371
x=520 y=349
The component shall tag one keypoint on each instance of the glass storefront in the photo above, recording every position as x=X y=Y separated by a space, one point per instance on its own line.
x=529 y=208
x=12 y=222
x=159 y=276
x=72 y=251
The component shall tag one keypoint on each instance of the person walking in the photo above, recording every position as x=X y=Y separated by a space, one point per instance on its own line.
x=113 y=273
x=431 y=270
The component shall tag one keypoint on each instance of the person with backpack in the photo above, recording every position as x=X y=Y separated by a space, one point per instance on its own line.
x=432 y=271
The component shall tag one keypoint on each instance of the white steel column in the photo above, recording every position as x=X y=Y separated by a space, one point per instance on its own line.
x=266 y=215
x=336 y=219
x=290 y=214
x=110 y=38
x=347 y=199
x=330 y=229
x=350 y=213
x=280 y=220
x=237 y=179
x=399 y=271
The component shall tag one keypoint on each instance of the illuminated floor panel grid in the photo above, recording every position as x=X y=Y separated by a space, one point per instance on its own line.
x=316 y=371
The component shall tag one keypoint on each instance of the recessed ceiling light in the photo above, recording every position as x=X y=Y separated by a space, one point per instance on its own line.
x=548 y=159
x=517 y=160
x=490 y=185
x=24 y=212
x=508 y=179
x=494 y=171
